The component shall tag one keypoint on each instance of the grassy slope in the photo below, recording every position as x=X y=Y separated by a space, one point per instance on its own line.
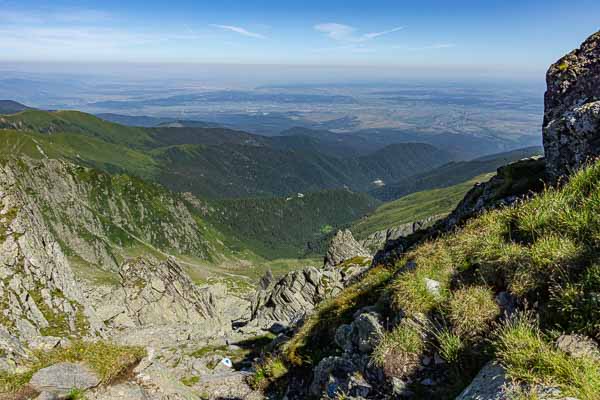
x=545 y=252
x=414 y=207
x=451 y=174
x=292 y=227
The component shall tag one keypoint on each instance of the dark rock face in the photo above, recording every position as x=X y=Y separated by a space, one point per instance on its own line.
x=510 y=183
x=572 y=109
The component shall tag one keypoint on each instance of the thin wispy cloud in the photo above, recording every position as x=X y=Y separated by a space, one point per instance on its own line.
x=72 y=16
x=240 y=30
x=346 y=33
x=435 y=46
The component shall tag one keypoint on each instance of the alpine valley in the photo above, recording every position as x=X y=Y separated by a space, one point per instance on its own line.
x=161 y=258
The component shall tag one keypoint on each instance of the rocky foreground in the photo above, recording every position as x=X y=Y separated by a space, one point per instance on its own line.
x=96 y=305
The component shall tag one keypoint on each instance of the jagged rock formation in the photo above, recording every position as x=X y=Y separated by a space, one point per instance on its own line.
x=288 y=300
x=377 y=240
x=155 y=293
x=343 y=247
x=94 y=214
x=352 y=372
x=572 y=109
x=38 y=290
x=64 y=272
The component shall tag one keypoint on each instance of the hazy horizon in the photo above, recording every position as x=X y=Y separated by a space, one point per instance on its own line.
x=341 y=41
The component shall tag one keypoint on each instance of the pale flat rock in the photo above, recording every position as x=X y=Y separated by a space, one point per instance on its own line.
x=61 y=378
x=125 y=391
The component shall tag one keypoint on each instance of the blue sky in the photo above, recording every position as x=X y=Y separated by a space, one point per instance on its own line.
x=521 y=36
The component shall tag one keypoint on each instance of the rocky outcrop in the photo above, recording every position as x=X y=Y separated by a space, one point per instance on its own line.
x=511 y=182
x=343 y=247
x=154 y=293
x=289 y=299
x=286 y=301
x=351 y=373
x=571 y=129
x=55 y=283
x=96 y=216
x=38 y=290
x=491 y=383
x=377 y=240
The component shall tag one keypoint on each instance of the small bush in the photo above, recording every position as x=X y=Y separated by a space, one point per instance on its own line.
x=471 y=310
x=399 y=351
x=528 y=358
x=449 y=344
x=268 y=370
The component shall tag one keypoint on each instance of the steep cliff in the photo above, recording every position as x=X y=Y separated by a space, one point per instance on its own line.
x=572 y=109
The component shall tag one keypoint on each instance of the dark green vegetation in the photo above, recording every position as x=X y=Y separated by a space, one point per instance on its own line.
x=296 y=226
x=214 y=162
x=219 y=163
x=543 y=251
x=451 y=174
x=414 y=207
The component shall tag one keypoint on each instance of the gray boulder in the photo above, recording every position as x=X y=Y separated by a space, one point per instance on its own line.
x=362 y=335
x=578 y=346
x=572 y=109
x=60 y=379
x=489 y=384
x=344 y=247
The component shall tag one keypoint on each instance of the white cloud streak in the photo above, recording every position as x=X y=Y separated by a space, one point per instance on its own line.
x=435 y=46
x=346 y=33
x=240 y=30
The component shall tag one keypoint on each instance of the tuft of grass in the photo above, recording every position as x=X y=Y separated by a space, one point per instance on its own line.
x=76 y=394
x=527 y=357
x=190 y=380
x=471 y=310
x=410 y=294
x=266 y=372
x=399 y=351
x=576 y=303
x=449 y=344
x=108 y=360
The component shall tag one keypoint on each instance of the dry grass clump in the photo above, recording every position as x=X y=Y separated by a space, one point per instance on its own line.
x=471 y=310
x=399 y=351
